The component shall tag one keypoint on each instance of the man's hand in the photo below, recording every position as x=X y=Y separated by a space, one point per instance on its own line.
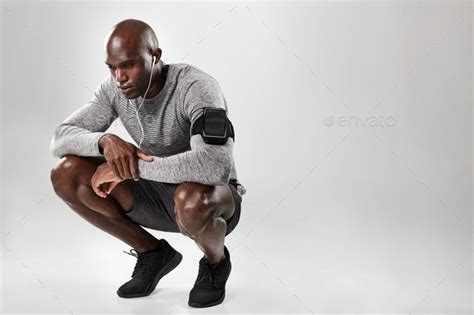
x=122 y=156
x=104 y=180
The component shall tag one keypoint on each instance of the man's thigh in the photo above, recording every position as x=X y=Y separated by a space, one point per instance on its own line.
x=123 y=194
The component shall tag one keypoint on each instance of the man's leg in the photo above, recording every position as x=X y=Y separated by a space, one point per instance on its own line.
x=71 y=181
x=201 y=213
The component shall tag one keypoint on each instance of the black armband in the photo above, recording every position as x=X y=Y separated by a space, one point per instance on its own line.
x=214 y=126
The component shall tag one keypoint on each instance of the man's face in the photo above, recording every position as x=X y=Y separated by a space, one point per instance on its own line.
x=130 y=71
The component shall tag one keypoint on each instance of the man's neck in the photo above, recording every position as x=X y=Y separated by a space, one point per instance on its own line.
x=159 y=81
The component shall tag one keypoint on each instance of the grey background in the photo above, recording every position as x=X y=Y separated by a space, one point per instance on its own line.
x=353 y=138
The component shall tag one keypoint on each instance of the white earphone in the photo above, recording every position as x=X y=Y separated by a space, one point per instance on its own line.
x=143 y=100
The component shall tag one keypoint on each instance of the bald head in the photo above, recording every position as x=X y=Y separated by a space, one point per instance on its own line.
x=132 y=35
x=130 y=47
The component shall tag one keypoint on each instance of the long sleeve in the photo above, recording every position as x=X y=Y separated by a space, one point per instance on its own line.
x=79 y=134
x=203 y=163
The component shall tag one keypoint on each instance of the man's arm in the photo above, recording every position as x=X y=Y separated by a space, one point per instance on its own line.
x=205 y=163
x=208 y=164
x=79 y=134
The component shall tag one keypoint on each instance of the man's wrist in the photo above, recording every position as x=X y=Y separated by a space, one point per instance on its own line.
x=102 y=142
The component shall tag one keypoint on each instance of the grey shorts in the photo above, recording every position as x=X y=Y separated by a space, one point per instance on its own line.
x=153 y=206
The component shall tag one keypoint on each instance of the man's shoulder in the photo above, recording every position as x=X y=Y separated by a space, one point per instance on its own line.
x=108 y=86
x=105 y=90
x=188 y=74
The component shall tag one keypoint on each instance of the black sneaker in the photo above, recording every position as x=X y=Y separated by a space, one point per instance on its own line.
x=209 y=288
x=149 y=269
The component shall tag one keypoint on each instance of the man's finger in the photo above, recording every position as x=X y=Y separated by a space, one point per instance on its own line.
x=95 y=187
x=134 y=167
x=142 y=155
x=103 y=189
x=114 y=168
x=119 y=165
x=111 y=187
x=126 y=168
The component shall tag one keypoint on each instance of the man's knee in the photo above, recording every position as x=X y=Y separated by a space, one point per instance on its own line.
x=194 y=204
x=64 y=175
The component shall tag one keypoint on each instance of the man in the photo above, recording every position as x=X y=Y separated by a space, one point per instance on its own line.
x=181 y=178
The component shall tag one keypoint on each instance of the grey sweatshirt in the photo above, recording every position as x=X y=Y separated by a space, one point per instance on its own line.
x=166 y=120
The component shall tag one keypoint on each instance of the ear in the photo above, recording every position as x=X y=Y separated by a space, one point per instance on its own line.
x=157 y=54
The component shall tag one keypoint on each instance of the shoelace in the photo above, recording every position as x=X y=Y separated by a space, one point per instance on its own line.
x=206 y=270
x=143 y=267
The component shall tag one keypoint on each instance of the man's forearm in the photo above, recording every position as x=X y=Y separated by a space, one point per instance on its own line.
x=80 y=132
x=70 y=139
x=205 y=164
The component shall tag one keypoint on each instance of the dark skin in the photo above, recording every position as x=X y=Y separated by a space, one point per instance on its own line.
x=100 y=190
x=129 y=61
